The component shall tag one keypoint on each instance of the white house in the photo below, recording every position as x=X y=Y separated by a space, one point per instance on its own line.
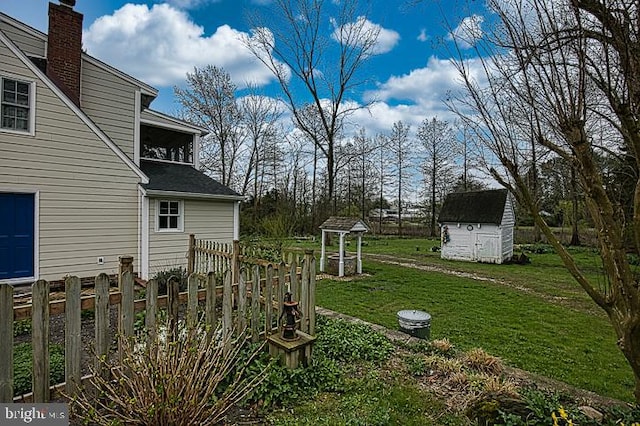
x=88 y=171
x=477 y=226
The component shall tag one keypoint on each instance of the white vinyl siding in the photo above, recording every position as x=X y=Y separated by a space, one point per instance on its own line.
x=31 y=43
x=110 y=102
x=211 y=220
x=88 y=200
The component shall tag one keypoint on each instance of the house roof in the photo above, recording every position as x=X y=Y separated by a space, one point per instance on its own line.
x=474 y=207
x=183 y=180
x=156 y=118
x=344 y=224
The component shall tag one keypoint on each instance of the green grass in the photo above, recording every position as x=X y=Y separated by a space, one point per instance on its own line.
x=527 y=331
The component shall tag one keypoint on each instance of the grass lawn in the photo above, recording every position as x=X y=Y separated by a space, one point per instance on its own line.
x=551 y=328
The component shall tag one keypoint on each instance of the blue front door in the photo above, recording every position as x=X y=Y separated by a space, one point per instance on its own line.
x=16 y=235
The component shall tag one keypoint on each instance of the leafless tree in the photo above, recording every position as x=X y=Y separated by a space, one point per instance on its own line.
x=315 y=66
x=209 y=101
x=438 y=141
x=400 y=145
x=573 y=68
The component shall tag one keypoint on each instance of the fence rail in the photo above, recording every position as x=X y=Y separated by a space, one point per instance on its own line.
x=242 y=296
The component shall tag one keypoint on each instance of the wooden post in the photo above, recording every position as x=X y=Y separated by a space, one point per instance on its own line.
x=173 y=304
x=268 y=300
x=102 y=323
x=210 y=308
x=191 y=256
x=282 y=286
x=192 y=300
x=227 y=306
x=255 y=304
x=242 y=301
x=125 y=268
x=72 y=336
x=151 y=311
x=6 y=337
x=235 y=261
x=312 y=295
x=304 y=290
x=40 y=340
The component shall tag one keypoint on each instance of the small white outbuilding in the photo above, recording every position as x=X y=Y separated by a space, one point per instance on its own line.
x=477 y=226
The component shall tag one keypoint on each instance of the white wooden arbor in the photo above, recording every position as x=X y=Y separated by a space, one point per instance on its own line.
x=343 y=226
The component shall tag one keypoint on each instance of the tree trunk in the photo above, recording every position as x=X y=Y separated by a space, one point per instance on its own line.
x=575 y=238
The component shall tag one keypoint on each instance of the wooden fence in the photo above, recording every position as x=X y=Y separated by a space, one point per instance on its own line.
x=250 y=297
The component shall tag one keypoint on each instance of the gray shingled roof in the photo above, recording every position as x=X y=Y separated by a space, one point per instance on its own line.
x=474 y=207
x=181 y=178
x=337 y=223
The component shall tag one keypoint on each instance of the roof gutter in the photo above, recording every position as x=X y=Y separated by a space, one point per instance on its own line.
x=176 y=194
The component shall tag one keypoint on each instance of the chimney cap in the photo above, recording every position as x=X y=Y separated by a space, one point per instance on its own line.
x=69 y=3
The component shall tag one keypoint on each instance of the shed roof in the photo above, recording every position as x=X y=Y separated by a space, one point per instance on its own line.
x=346 y=224
x=474 y=207
x=184 y=179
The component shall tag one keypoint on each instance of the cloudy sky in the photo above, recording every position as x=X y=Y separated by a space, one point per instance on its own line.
x=159 y=42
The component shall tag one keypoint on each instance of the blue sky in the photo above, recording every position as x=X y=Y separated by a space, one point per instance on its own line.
x=159 y=41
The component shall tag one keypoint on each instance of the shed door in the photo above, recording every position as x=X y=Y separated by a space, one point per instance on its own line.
x=486 y=248
x=16 y=235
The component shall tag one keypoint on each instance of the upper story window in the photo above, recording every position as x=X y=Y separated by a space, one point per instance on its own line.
x=17 y=105
x=170 y=217
x=165 y=144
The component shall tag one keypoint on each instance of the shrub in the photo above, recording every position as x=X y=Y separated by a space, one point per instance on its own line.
x=195 y=379
x=344 y=341
x=163 y=277
x=23 y=367
x=21 y=327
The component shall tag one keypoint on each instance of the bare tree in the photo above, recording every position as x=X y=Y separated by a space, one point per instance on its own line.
x=573 y=66
x=209 y=101
x=401 y=147
x=438 y=141
x=294 y=45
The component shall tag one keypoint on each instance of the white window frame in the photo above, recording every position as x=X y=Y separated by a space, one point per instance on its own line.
x=32 y=105
x=180 y=215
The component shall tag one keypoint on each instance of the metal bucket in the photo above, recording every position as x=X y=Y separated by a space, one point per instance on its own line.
x=415 y=323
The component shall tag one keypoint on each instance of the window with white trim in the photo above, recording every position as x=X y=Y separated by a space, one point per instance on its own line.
x=169 y=217
x=16 y=105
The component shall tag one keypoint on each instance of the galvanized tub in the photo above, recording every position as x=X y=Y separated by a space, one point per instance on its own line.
x=415 y=323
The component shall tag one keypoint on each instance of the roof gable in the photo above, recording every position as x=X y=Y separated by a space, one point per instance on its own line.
x=474 y=207
x=73 y=108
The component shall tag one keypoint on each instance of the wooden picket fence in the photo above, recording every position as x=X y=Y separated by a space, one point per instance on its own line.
x=251 y=297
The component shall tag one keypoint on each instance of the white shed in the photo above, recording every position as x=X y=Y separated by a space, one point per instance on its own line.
x=477 y=226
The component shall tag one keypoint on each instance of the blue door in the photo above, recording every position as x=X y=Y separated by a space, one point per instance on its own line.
x=16 y=235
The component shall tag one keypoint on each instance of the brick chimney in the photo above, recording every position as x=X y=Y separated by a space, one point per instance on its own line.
x=64 y=49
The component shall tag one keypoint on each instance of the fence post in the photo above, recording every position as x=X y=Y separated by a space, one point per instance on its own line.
x=72 y=336
x=191 y=259
x=40 y=340
x=235 y=262
x=6 y=337
x=173 y=304
x=227 y=290
x=242 y=301
x=281 y=290
x=151 y=310
x=304 y=293
x=255 y=304
x=268 y=300
x=192 y=300
x=312 y=293
x=125 y=309
x=210 y=308
x=102 y=323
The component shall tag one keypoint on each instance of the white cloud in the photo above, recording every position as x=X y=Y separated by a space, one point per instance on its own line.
x=190 y=4
x=423 y=36
x=159 y=45
x=357 y=32
x=468 y=31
